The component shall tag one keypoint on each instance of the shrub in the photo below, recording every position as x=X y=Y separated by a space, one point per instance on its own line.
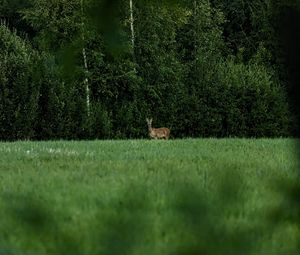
x=238 y=100
x=18 y=90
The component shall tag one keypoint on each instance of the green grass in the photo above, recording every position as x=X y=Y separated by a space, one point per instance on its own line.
x=193 y=196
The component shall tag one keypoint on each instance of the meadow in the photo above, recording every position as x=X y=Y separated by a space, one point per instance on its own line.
x=189 y=196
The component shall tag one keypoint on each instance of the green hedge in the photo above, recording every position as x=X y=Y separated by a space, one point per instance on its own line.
x=235 y=100
x=204 y=97
x=18 y=93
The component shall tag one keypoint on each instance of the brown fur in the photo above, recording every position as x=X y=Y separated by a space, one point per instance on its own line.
x=157 y=133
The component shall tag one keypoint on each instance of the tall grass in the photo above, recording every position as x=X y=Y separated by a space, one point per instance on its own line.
x=193 y=196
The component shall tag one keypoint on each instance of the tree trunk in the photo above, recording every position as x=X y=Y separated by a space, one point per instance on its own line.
x=131 y=24
x=86 y=82
x=132 y=29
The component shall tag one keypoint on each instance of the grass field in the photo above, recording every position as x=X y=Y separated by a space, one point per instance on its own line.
x=193 y=196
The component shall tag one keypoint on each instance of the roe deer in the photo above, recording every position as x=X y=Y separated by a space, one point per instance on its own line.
x=157 y=133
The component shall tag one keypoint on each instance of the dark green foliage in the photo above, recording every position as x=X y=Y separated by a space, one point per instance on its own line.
x=10 y=14
x=51 y=100
x=288 y=35
x=236 y=100
x=252 y=105
x=100 y=122
x=18 y=93
x=158 y=63
x=202 y=68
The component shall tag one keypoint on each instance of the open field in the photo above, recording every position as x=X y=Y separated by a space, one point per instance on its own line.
x=193 y=196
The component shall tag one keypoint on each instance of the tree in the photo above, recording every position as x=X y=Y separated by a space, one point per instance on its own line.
x=86 y=82
x=19 y=88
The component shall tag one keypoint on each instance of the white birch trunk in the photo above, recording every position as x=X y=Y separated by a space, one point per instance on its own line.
x=132 y=31
x=131 y=25
x=86 y=82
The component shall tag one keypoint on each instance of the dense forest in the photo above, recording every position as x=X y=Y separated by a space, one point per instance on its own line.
x=75 y=69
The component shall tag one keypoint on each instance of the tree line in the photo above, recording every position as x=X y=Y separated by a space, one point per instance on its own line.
x=86 y=69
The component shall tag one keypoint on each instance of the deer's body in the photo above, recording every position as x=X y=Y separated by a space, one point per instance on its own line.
x=157 y=133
